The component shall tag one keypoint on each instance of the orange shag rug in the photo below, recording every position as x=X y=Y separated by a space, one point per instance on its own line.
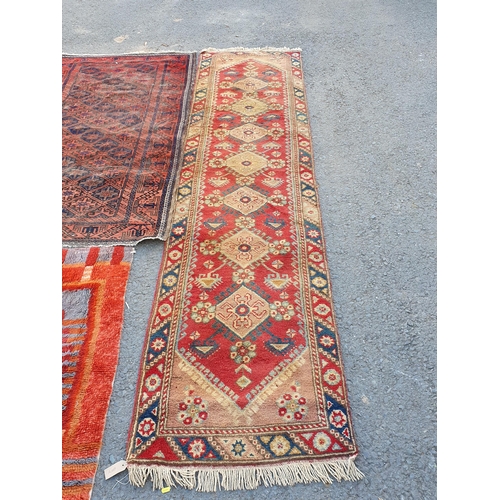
x=93 y=296
x=123 y=122
x=242 y=381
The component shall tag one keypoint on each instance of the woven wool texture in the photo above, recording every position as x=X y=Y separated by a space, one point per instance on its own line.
x=123 y=123
x=242 y=381
x=93 y=294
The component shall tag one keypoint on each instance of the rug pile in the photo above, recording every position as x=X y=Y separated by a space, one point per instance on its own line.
x=93 y=293
x=123 y=121
x=242 y=381
x=123 y=125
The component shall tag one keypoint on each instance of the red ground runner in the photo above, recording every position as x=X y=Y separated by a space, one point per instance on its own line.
x=123 y=121
x=93 y=283
x=242 y=381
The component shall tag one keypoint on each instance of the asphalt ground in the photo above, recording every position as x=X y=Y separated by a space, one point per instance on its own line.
x=370 y=74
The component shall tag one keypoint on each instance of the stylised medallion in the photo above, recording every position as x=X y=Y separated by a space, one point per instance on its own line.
x=242 y=311
x=250 y=107
x=248 y=132
x=244 y=248
x=245 y=200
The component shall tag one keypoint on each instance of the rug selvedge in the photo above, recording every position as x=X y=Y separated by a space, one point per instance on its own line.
x=242 y=381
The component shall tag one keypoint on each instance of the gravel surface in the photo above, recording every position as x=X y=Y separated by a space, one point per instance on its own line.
x=370 y=73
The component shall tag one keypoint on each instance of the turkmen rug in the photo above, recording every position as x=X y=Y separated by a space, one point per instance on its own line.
x=123 y=122
x=93 y=295
x=242 y=380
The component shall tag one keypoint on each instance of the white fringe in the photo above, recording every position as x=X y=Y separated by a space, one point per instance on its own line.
x=254 y=50
x=244 y=477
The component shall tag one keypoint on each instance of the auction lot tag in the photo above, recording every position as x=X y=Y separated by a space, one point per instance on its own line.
x=114 y=469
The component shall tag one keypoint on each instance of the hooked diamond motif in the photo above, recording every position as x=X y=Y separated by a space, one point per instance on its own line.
x=242 y=311
x=245 y=200
x=244 y=248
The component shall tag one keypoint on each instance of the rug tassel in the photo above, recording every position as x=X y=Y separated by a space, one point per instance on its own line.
x=245 y=478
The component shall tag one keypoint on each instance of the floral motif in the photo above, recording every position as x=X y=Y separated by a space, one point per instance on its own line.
x=178 y=230
x=152 y=382
x=279 y=247
x=305 y=159
x=319 y=282
x=157 y=344
x=146 y=427
x=197 y=448
x=193 y=411
x=338 y=419
x=251 y=73
x=165 y=309
x=322 y=309
x=184 y=190
x=276 y=132
x=292 y=406
x=248 y=119
x=170 y=280
x=281 y=310
x=248 y=147
x=217 y=163
x=244 y=222
x=332 y=377
x=175 y=255
x=280 y=446
x=275 y=107
x=326 y=341
x=276 y=163
x=203 y=312
x=243 y=276
x=214 y=199
x=321 y=441
x=187 y=174
x=315 y=256
x=244 y=180
x=209 y=247
x=242 y=352
x=313 y=233
x=238 y=448
x=277 y=199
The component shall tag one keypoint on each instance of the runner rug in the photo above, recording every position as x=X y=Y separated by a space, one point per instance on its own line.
x=242 y=381
x=123 y=120
x=94 y=282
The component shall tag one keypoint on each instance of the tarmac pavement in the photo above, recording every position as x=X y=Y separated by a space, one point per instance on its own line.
x=370 y=74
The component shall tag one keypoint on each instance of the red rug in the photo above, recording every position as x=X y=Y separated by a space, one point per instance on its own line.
x=242 y=381
x=123 y=120
x=94 y=282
